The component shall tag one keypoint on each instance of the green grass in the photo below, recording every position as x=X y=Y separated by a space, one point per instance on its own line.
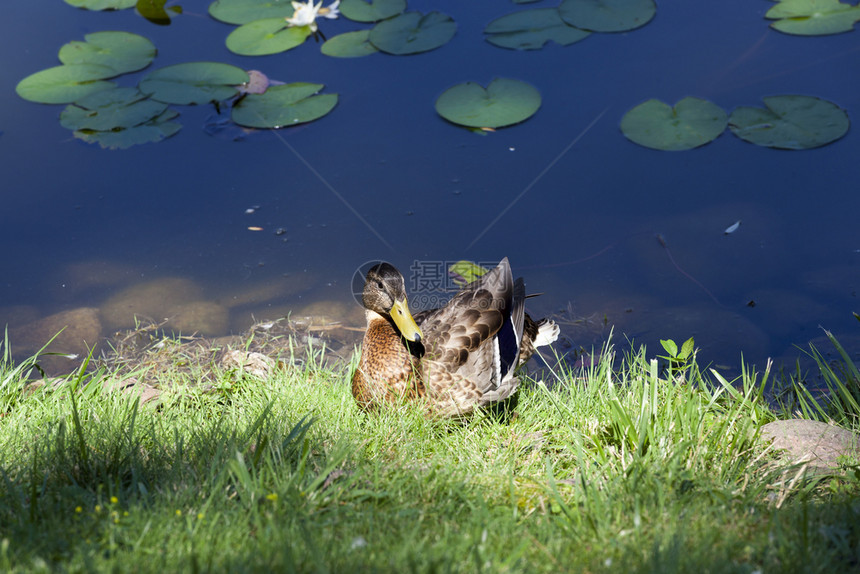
x=622 y=468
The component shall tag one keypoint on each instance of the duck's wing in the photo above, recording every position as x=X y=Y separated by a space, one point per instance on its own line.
x=472 y=343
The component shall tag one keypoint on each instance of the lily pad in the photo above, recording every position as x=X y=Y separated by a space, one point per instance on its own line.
x=413 y=32
x=282 y=106
x=102 y=4
x=245 y=11
x=607 y=15
x=504 y=102
x=693 y=122
x=372 y=11
x=813 y=17
x=790 y=122
x=155 y=12
x=194 y=83
x=266 y=36
x=65 y=84
x=349 y=45
x=122 y=51
x=118 y=108
x=531 y=29
x=154 y=130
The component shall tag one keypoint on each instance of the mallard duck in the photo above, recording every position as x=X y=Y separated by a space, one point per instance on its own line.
x=456 y=358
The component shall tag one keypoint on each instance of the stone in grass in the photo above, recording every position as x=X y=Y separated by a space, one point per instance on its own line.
x=820 y=445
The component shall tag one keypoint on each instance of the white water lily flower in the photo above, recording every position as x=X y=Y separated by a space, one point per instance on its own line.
x=306 y=14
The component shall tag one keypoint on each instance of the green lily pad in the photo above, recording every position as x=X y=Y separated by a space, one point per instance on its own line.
x=790 y=122
x=607 y=15
x=349 y=45
x=464 y=272
x=266 y=36
x=118 y=108
x=282 y=106
x=193 y=83
x=693 y=122
x=155 y=12
x=245 y=11
x=504 y=102
x=102 y=4
x=122 y=51
x=413 y=32
x=154 y=130
x=372 y=11
x=813 y=17
x=531 y=29
x=65 y=84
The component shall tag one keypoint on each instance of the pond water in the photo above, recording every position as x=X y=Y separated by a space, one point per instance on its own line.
x=612 y=234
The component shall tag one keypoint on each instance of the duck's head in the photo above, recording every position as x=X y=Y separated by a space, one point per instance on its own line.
x=385 y=293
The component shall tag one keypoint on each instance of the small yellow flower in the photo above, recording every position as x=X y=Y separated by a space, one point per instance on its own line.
x=178 y=512
x=78 y=509
x=273 y=497
x=114 y=499
x=199 y=516
x=98 y=508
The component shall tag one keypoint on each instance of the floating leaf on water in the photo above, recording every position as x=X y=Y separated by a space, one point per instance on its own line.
x=266 y=36
x=282 y=106
x=154 y=11
x=413 y=32
x=65 y=84
x=106 y=110
x=732 y=228
x=813 y=17
x=371 y=11
x=504 y=102
x=531 y=29
x=245 y=11
x=102 y=4
x=124 y=52
x=790 y=122
x=194 y=83
x=154 y=130
x=258 y=83
x=464 y=272
x=693 y=122
x=349 y=45
x=607 y=15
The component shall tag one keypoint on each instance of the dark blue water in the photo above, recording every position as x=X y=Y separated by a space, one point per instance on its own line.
x=80 y=225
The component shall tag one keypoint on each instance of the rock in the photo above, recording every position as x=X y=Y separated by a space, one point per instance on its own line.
x=80 y=328
x=327 y=312
x=276 y=289
x=153 y=300
x=816 y=443
x=17 y=315
x=87 y=275
x=146 y=393
x=256 y=364
x=200 y=317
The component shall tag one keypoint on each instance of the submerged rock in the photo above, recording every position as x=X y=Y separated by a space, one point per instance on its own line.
x=201 y=317
x=80 y=328
x=153 y=300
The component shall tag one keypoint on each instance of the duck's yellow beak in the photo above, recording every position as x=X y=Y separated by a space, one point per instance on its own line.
x=405 y=322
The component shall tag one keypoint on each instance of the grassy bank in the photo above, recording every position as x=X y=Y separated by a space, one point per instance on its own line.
x=627 y=466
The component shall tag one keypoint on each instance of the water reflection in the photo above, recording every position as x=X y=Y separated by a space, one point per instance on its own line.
x=161 y=231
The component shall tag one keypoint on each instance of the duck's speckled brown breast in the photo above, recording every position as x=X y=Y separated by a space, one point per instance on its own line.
x=386 y=369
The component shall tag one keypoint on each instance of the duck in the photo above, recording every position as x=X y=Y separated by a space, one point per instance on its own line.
x=456 y=359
